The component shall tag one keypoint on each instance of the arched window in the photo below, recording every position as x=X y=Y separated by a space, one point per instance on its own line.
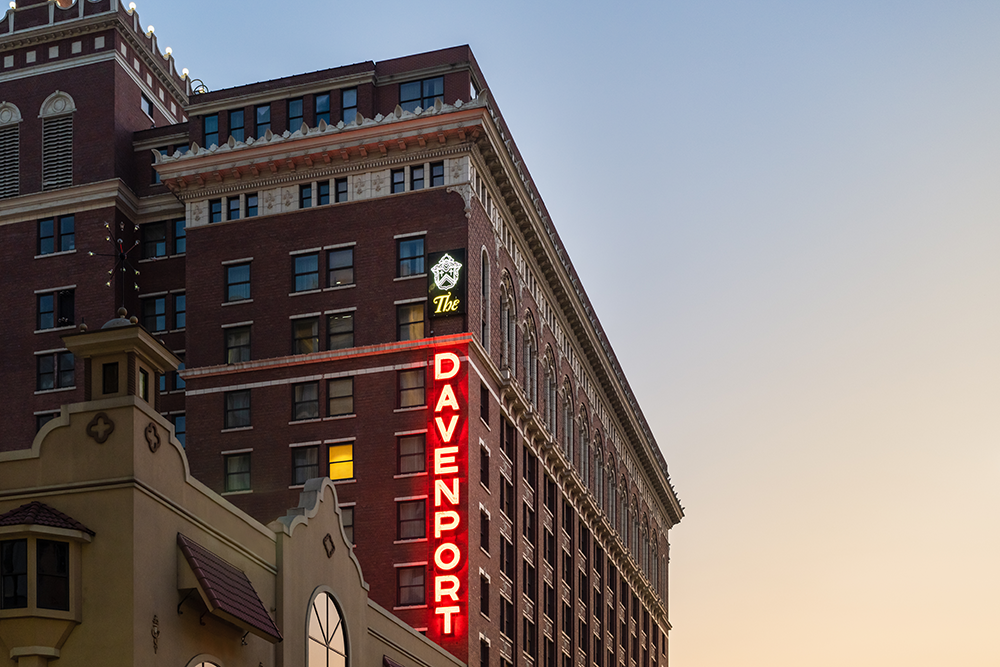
x=568 y=421
x=327 y=634
x=645 y=548
x=612 y=495
x=508 y=325
x=550 y=393
x=10 y=150
x=484 y=301
x=530 y=361
x=57 y=140
x=598 y=471
x=623 y=510
x=654 y=563
x=204 y=660
x=584 y=450
x=634 y=528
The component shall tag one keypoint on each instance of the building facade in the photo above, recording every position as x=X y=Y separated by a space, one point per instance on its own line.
x=362 y=283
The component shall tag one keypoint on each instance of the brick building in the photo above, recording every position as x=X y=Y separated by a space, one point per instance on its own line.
x=363 y=283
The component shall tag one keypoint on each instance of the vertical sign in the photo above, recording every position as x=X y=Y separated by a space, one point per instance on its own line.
x=446 y=283
x=448 y=433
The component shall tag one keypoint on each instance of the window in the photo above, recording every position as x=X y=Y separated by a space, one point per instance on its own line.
x=340 y=267
x=550 y=494
x=567 y=621
x=410 y=586
x=145 y=105
x=43 y=419
x=421 y=94
x=233 y=208
x=295 y=115
x=410 y=520
x=56 y=235
x=236 y=125
x=340 y=394
x=154 y=240
x=263 y=119
x=410 y=321
x=322 y=106
x=327 y=646
x=567 y=567
x=144 y=384
x=155 y=178
x=109 y=378
x=349 y=104
x=507 y=564
x=340 y=187
x=237 y=468
x=323 y=193
x=14 y=574
x=484 y=595
x=57 y=151
x=398 y=181
x=412 y=456
x=55 y=371
x=238 y=282
x=506 y=618
x=550 y=548
x=549 y=601
x=211 y=130
x=305 y=196
x=341 y=460
x=55 y=309
x=528 y=527
x=484 y=402
x=215 y=210
x=340 y=331
x=180 y=237
x=484 y=466
x=507 y=498
x=437 y=174
x=180 y=428
x=411 y=257
x=484 y=530
x=154 y=313
x=411 y=388
x=530 y=466
x=305 y=465
x=347 y=519
x=10 y=154
x=529 y=638
x=528 y=580
x=305 y=335
x=238 y=409
x=252 y=205
x=51 y=574
x=509 y=435
x=180 y=311
x=417 y=178
x=237 y=345
x=305 y=401
x=305 y=272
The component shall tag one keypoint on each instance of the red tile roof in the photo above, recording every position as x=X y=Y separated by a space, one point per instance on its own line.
x=39 y=514
x=226 y=588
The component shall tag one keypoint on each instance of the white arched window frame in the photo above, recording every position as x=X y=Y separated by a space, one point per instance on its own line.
x=584 y=451
x=598 y=471
x=326 y=632
x=568 y=422
x=530 y=357
x=57 y=140
x=484 y=301
x=550 y=394
x=204 y=660
x=613 y=495
x=10 y=150
x=623 y=510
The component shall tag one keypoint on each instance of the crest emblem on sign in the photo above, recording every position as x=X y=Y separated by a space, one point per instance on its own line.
x=446 y=272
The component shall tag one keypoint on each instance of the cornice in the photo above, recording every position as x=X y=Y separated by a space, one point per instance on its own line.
x=89 y=197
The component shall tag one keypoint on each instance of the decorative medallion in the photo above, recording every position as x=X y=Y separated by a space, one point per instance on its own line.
x=100 y=428
x=152 y=437
x=328 y=545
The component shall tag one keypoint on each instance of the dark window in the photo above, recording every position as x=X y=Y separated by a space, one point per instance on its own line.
x=305 y=464
x=54 y=371
x=233 y=208
x=421 y=94
x=347 y=519
x=340 y=331
x=180 y=428
x=237 y=468
x=506 y=618
x=154 y=313
x=507 y=498
x=180 y=311
x=507 y=564
x=305 y=272
x=410 y=585
x=67 y=233
x=252 y=205
x=349 y=104
x=340 y=267
x=411 y=388
x=305 y=335
x=236 y=125
x=295 y=115
x=549 y=659
x=156 y=175
x=305 y=196
x=530 y=466
x=484 y=595
x=550 y=494
x=529 y=639
x=484 y=653
x=340 y=190
x=322 y=104
x=528 y=581
x=237 y=282
x=410 y=321
x=437 y=174
x=180 y=237
x=411 y=257
x=567 y=621
x=237 y=345
x=154 y=240
x=412 y=457
x=341 y=460
x=528 y=527
x=509 y=435
x=484 y=530
x=398 y=182
x=56 y=234
x=484 y=402
x=52 y=560
x=56 y=309
x=263 y=119
x=305 y=401
x=340 y=393
x=211 y=130
x=109 y=378
x=550 y=548
x=215 y=210
x=417 y=178
x=323 y=193
x=13 y=574
x=549 y=601
x=238 y=410
x=567 y=568
x=484 y=467
x=411 y=523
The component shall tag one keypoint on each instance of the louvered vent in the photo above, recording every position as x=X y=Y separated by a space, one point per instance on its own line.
x=57 y=152
x=9 y=162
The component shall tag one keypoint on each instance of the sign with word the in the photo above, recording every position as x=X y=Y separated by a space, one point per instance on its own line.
x=446 y=283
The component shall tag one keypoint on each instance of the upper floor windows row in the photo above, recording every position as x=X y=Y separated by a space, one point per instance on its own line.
x=56 y=234
x=160 y=239
x=57 y=144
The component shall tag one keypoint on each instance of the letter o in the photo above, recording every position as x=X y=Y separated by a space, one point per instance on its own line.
x=439 y=557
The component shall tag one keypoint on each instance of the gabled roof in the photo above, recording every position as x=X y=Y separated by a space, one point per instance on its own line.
x=227 y=592
x=39 y=514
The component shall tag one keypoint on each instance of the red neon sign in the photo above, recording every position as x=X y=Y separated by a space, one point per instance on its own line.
x=449 y=474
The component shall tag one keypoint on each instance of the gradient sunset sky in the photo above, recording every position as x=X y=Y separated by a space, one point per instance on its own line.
x=786 y=216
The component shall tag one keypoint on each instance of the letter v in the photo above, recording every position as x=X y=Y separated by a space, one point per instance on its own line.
x=446 y=433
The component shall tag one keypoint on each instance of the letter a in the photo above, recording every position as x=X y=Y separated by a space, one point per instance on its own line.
x=447 y=399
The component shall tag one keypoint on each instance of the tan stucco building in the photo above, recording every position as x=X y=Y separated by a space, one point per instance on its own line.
x=112 y=554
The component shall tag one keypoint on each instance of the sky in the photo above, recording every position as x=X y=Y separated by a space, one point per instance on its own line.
x=786 y=216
